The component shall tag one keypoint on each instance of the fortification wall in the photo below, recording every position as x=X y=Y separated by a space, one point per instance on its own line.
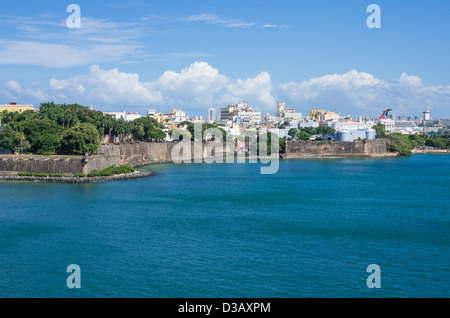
x=141 y=153
x=65 y=165
x=136 y=153
x=311 y=149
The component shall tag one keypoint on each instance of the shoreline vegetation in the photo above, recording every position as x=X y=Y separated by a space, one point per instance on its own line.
x=124 y=172
x=74 y=131
x=99 y=176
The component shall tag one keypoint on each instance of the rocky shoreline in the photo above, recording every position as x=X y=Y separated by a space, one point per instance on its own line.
x=430 y=151
x=138 y=174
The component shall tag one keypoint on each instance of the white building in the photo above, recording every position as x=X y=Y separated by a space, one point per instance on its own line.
x=309 y=123
x=353 y=130
x=240 y=114
x=124 y=115
x=282 y=133
x=247 y=116
x=406 y=127
x=178 y=116
x=287 y=113
x=212 y=114
x=390 y=125
x=330 y=116
x=352 y=125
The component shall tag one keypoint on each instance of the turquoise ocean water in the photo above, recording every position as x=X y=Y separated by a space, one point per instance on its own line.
x=224 y=230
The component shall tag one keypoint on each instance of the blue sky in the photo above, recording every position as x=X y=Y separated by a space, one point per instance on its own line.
x=140 y=55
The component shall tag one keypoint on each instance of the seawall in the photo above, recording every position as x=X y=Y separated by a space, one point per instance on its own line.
x=145 y=153
x=137 y=153
x=312 y=149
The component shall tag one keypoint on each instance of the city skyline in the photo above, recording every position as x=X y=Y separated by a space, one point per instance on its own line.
x=136 y=56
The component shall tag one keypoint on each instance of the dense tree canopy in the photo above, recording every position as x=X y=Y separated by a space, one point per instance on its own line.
x=82 y=138
x=69 y=129
x=380 y=130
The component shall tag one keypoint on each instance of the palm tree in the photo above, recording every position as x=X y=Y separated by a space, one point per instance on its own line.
x=20 y=137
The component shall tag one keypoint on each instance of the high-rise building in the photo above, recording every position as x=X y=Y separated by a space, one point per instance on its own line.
x=212 y=114
x=427 y=115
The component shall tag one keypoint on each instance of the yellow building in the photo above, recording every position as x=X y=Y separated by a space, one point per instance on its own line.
x=317 y=114
x=160 y=118
x=14 y=107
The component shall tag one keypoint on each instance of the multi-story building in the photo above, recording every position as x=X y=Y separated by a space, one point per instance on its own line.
x=406 y=127
x=240 y=114
x=389 y=123
x=350 y=130
x=227 y=113
x=14 y=107
x=212 y=114
x=160 y=118
x=316 y=114
x=178 y=116
x=284 y=113
x=247 y=116
x=309 y=123
x=330 y=116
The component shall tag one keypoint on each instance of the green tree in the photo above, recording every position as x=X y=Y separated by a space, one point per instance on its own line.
x=282 y=146
x=293 y=132
x=20 y=137
x=43 y=134
x=8 y=137
x=397 y=142
x=417 y=140
x=380 y=131
x=303 y=135
x=440 y=142
x=309 y=130
x=83 y=138
x=324 y=130
x=46 y=143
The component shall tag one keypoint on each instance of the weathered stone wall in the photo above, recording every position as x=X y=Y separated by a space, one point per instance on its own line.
x=311 y=149
x=100 y=162
x=65 y=165
x=137 y=153
x=108 y=155
x=141 y=153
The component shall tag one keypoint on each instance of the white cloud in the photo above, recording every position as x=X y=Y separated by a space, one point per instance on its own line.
x=269 y=26
x=258 y=89
x=13 y=91
x=99 y=86
x=215 y=19
x=200 y=86
x=266 y=26
x=362 y=93
x=40 y=42
x=34 y=53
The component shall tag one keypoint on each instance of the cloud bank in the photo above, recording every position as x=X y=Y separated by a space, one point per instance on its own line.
x=201 y=86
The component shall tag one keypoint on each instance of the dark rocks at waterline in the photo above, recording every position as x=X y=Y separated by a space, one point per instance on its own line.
x=138 y=174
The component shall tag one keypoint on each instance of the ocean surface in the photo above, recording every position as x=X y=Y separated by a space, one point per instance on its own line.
x=224 y=230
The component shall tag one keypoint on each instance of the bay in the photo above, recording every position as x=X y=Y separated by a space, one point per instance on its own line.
x=225 y=230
